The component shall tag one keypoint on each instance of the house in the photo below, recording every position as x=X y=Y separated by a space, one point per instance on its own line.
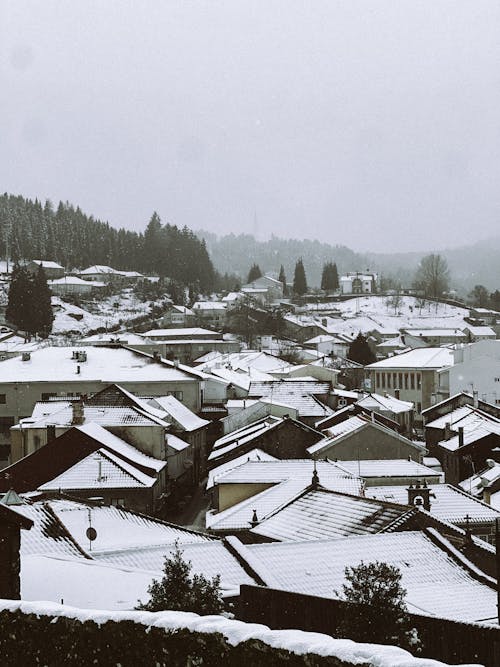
x=414 y=374
x=307 y=395
x=476 y=366
x=177 y=316
x=391 y=472
x=247 y=494
x=72 y=285
x=282 y=437
x=356 y=282
x=88 y=461
x=361 y=438
x=211 y=313
x=484 y=315
x=187 y=344
x=399 y=411
x=52 y=269
x=101 y=273
x=326 y=344
x=415 y=338
x=64 y=372
x=461 y=399
x=271 y=287
x=485 y=484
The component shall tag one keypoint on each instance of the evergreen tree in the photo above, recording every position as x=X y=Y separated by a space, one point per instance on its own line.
x=378 y=613
x=42 y=315
x=282 y=279
x=329 y=277
x=179 y=590
x=360 y=351
x=299 y=279
x=254 y=273
x=20 y=300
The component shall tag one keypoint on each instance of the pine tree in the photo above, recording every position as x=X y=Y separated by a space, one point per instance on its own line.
x=42 y=316
x=178 y=590
x=282 y=279
x=254 y=273
x=329 y=277
x=299 y=279
x=20 y=300
x=378 y=613
x=360 y=351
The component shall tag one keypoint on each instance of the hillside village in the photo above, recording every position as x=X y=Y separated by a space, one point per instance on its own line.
x=240 y=426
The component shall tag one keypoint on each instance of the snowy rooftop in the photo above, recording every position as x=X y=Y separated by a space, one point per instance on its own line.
x=100 y=470
x=178 y=412
x=47 y=264
x=74 y=280
x=320 y=514
x=243 y=435
x=98 y=414
x=56 y=364
x=289 y=478
x=447 y=503
x=252 y=455
x=445 y=589
x=462 y=416
x=386 y=403
x=191 y=332
x=370 y=468
x=424 y=357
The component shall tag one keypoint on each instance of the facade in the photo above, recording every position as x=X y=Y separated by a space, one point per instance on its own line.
x=357 y=282
x=476 y=367
x=412 y=376
x=74 y=285
x=210 y=313
x=52 y=270
x=270 y=288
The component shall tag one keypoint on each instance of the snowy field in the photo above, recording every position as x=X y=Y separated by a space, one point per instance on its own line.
x=367 y=312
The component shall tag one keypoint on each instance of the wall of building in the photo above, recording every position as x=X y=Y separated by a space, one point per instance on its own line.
x=227 y=495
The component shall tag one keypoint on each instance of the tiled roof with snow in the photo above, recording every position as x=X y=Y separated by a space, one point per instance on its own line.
x=252 y=455
x=390 y=403
x=447 y=503
x=98 y=268
x=47 y=264
x=100 y=470
x=424 y=357
x=320 y=514
x=369 y=468
x=436 y=583
x=462 y=416
x=103 y=415
x=74 y=280
x=243 y=435
x=183 y=416
x=185 y=332
x=289 y=478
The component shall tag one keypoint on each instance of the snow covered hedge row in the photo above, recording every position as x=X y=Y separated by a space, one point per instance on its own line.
x=44 y=633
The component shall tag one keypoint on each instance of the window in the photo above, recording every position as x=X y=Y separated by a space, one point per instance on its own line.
x=496 y=380
x=176 y=394
x=3 y=399
x=389 y=378
x=37 y=442
x=406 y=381
x=400 y=380
x=419 y=381
x=118 y=501
x=382 y=384
x=419 y=408
x=412 y=380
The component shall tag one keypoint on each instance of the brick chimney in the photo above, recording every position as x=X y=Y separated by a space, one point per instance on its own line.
x=447 y=430
x=460 y=436
x=78 y=413
x=419 y=495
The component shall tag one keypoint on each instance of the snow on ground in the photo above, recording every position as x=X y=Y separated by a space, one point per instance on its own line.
x=236 y=632
x=102 y=313
x=367 y=312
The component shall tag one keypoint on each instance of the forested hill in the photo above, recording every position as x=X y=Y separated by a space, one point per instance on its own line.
x=65 y=234
x=469 y=265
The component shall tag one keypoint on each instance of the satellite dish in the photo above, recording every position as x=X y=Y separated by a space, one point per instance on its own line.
x=91 y=533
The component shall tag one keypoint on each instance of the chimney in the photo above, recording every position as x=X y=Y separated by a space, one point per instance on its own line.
x=475 y=399
x=419 y=495
x=487 y=495
x=78 y=413
x=460 y=436
x=78 y=369
x=396 y=393
x=254 y=520
x=156 y=357
x=447 y=430
x=51 y=432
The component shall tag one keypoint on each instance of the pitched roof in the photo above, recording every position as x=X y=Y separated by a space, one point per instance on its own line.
x=438 y=580
x=370 y=468
x=289 y=479
x=252 y=455
x=177 y=412
x=447 y=503
x=424 y=357
x=319 y=514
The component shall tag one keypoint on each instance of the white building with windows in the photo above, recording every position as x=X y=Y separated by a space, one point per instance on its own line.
x=356 y=282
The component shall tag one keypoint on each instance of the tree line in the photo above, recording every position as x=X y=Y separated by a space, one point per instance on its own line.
x=29 y=305
x=32 y=230
x=329 y=277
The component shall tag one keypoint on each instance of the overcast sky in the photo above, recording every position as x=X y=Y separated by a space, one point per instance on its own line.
x=374 y=124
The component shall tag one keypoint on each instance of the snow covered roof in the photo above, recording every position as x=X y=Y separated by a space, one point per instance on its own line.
x=319 y=514
x=440 y=333
x=390 y=468
x=99 y=414
x=243 y=435
x=447 y=503
x=185 y=332
x=178 y=412
x=289 y=478
x=474 y=429
x=386 y=403
x=462 y=416
x=437 y=584
x=252 y=455
x=424 y=357
x=47 y=264
x=476 y=484
x=176 y=443
x=74 y=280
x=106 y=365
x=98 y=268
x=209 y=305
x=99 y=470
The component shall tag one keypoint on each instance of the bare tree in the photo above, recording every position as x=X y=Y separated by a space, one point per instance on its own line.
x=432 y=276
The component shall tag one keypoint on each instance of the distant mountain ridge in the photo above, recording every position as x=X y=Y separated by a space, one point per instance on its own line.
x=470 y=265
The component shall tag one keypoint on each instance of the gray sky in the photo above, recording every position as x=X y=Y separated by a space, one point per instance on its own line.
x=374 y=124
